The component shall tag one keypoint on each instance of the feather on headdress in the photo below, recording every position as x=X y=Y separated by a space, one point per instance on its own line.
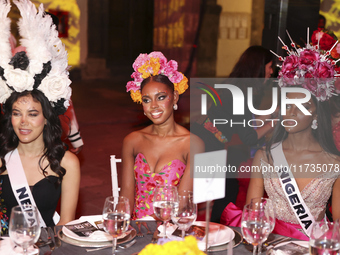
x=43 y=66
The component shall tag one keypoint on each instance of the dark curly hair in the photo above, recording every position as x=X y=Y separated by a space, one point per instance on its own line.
x=54 y=147
x=158 y=78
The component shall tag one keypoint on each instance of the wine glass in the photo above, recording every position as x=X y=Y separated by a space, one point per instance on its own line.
x=24 y=228
x=116 y=217
x=255 y=224
x=268 y=206
x=165 y=202
x=186 y=213
x=325 y=238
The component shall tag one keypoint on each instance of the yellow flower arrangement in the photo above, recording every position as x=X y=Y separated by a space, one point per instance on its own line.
x=186 y=247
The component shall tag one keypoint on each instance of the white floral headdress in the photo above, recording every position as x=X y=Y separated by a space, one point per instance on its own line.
x=311 y=67
x=43 y=66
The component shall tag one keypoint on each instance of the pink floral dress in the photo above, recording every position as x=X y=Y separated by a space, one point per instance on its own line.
x=146 y=182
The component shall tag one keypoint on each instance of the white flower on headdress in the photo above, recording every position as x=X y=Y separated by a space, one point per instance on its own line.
x=5 y=91
x=19 y=79
x=56 y=87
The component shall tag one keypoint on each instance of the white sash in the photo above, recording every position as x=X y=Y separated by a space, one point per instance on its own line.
x=291 y=190
x=19 y=183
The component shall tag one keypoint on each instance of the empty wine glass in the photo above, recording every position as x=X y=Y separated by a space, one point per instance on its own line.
x=325 y=238
x=255 y=225
x=24 y=228
x=165 y=202
x=116 y=217
x=186 y=213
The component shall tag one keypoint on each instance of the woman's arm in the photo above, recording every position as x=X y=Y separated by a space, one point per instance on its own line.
x=196 y=146
x=256 y=186
x=127 y=173
x=69 y=188
x=336 y=200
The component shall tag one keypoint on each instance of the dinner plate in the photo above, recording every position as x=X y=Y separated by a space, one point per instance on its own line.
x=66 y=239
x=236 y=241
x=218 y=234
x=97 y=236
x=303 y=249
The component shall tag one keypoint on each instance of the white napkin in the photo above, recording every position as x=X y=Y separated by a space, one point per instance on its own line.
x=170 y=228
x=286 y=251
x=7 y=247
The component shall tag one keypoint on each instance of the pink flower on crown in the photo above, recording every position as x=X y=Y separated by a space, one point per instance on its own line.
x=141 y=59
x=137 y=76
x=307 y=59
x=131 y=85
x=289 y=66
x=157 y=54
x=176 y=77
x=310 y=84
x=324 y=70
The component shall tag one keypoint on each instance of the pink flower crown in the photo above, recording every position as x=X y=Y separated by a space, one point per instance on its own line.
x=150 y=65
x=312 y=68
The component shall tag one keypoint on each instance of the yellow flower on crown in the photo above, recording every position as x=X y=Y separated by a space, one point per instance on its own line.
x=154 y=64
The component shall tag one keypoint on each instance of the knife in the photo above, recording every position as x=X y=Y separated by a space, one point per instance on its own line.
x=57 y=240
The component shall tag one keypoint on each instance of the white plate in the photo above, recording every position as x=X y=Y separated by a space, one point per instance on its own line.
x=97 y=236
x=301 y=243
x=218 y=234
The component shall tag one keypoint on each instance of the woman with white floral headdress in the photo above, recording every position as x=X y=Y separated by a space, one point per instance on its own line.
x=160 y=153
x=34 y=90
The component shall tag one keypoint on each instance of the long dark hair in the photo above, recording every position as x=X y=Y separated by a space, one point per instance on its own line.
x=323 y=134
x=252 y=63
x=54 y=148
x=158 y=78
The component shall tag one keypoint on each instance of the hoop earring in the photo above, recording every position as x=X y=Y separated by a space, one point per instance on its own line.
x=314 y=124
x=144 y=113
x=175 y=107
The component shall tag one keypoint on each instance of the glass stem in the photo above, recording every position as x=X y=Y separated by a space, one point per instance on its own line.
x=183 y=233
x=254 y=250
x=114 y=245
x=164 y=232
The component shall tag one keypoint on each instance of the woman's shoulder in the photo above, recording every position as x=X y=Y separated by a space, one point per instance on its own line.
x=69 y=161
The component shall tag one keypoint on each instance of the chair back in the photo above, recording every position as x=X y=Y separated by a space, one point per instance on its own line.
x=114 y=175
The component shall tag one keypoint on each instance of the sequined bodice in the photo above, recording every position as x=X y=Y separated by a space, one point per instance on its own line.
x=315 y=195
x=146 y=182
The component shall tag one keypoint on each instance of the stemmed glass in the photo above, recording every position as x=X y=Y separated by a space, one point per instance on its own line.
x=165 y=202
x=267 y=205
x=24 y=229
x=186 y=213
x=116 y=217
x=325 y=238
x=255 y=225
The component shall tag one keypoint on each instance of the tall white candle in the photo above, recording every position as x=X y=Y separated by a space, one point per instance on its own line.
x=114 y=175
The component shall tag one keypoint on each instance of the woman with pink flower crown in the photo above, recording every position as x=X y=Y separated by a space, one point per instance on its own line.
x=160 y=153
x=301 y=164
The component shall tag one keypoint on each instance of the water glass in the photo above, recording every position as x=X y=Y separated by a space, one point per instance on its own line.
x=116 y=217
x=255 y=225
x=186 y=213
x=325 y=238
x=165 y=202
x=24 y=228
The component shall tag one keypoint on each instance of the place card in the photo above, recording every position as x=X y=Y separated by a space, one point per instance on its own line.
x=83 y=229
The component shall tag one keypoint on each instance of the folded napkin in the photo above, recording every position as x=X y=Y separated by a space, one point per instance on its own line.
x=292 y=247
x=7 y=247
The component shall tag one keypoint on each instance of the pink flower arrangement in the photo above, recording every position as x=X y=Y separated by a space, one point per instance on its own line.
x=154 y=64
x=311 y=67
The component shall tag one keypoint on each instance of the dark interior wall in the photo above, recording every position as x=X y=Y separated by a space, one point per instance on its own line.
x=119 y=30
x=295 y=16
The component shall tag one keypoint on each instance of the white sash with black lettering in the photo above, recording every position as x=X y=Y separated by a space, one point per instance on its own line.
x=291 y=190
x=19 y=183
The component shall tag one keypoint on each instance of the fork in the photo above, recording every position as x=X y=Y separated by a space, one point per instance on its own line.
x=128 y=245
x=49 y=238
x=139 y=225
x=155 y=234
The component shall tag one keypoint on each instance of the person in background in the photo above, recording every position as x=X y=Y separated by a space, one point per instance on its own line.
x=160 y=153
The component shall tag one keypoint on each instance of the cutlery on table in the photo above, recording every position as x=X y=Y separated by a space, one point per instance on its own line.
x=275 y=242
x=121 y=246
x=57 y=240
x=139 y=225
x=155 y=234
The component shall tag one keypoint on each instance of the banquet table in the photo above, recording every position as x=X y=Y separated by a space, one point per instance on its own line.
x=69 y=249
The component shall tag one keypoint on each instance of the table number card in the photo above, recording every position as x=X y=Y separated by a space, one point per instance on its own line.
x=209 y=178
